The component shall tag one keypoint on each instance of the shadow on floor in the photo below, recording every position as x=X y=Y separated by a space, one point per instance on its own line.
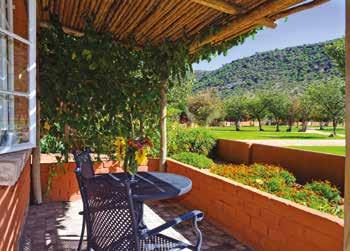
x=57 y=226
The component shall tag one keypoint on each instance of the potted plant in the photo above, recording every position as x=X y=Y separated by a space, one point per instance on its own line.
x=131 y=153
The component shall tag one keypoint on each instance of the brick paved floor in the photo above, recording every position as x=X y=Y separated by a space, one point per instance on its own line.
x=56 y=226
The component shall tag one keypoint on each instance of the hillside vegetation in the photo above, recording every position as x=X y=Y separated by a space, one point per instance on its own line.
x=291 y=69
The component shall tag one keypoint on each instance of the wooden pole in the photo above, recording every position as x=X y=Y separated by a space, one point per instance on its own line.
x=163 y=127
x=35 y=175
x=36 y=182
x=347 y=132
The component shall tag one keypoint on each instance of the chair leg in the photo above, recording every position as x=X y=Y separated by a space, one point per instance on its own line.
x=82 y=234
x=198 y=245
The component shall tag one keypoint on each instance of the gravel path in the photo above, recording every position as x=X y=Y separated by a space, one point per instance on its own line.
x=323 y=133
x=301 y=142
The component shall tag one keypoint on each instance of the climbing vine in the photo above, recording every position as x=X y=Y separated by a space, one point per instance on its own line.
x=94 y=88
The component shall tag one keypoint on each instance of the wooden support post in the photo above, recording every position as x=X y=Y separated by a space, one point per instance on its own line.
x=35 y=175
x=36 y=182
x=347 y=127
x=163 y=127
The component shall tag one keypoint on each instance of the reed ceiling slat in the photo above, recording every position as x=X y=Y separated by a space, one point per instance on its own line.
x=157 y=20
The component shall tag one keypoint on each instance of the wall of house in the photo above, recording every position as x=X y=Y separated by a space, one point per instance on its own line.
x=258 y=219
x=14 y=196
x=14 y=201
x=305 y=165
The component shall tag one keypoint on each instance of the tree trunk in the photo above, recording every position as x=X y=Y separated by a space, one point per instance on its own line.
x=237 y=125
x=334 y=127
x=304 y=126
x=290 y=124
x=277 y=126
x=260 y=126
x=163 y=128
x=321 y=126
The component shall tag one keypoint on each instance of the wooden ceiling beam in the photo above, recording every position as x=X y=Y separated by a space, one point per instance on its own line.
x=233 y=9
x=249 y=19
x=67 y=30
x=220 y=6
x=299 y=8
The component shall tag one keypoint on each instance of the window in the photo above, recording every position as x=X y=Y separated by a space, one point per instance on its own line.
x=17 y=75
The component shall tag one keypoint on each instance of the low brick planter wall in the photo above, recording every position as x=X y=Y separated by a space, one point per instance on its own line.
x=305 y=165
x=64 y=185
x=233 y=151
x=258 y=219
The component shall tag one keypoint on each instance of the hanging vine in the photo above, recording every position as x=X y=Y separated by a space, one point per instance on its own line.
x=94 y=88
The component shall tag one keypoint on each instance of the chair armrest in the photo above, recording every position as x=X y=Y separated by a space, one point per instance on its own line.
x=194 y=215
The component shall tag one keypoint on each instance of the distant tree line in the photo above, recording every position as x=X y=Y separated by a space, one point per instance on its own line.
x=321 y=100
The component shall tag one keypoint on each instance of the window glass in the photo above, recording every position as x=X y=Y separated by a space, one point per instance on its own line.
x=14 y=75
x=14 y=127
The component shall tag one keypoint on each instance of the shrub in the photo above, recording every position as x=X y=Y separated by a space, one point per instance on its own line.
x=320 y=195
x=325 y=189
x=190 y=140
x=49 y=144
x=194 y=159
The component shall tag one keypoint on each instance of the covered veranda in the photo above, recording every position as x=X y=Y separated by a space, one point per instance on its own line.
x=155 y=21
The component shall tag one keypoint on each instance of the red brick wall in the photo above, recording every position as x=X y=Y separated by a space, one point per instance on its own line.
x=233 y=151
x=64 y=185
x=305 y=165
x=258 y=219
x=14 y=201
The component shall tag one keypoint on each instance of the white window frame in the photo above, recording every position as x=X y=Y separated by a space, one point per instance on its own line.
x=31 y=70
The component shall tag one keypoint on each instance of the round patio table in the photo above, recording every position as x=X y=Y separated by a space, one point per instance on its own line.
x=150 y=186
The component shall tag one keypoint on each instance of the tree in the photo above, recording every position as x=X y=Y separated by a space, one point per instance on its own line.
x=257 y=107
x=330 y=96
x=178 y=96
x=292 y=111
x=204 y=107
x=305 y=108
x=317 y=114
x=236 y=109
x=278 y=105
x=336 y=51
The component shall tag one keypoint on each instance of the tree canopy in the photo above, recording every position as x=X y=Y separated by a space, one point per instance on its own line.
x=291 y=69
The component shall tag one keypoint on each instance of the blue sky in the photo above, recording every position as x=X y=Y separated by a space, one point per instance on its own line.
x=319 y=24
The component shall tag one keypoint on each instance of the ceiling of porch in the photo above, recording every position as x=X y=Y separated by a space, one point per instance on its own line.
x=157 y=20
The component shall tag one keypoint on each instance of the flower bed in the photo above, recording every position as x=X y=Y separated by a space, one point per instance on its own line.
x=257 y=218
x=320 y=195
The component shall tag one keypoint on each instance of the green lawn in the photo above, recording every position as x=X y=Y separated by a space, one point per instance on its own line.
x=251 y=132
x=338 y=150
x=329 y=129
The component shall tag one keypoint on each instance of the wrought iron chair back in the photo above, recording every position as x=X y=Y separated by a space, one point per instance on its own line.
x=109 y=214
x=84 y=163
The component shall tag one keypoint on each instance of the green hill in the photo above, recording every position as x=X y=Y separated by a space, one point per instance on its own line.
x=290 y=69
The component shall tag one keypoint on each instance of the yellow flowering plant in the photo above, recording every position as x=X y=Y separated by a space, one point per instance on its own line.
x=120 y=147
x=132 y=152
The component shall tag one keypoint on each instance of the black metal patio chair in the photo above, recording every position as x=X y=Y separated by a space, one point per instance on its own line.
x=111 y=218
x=84 y=168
